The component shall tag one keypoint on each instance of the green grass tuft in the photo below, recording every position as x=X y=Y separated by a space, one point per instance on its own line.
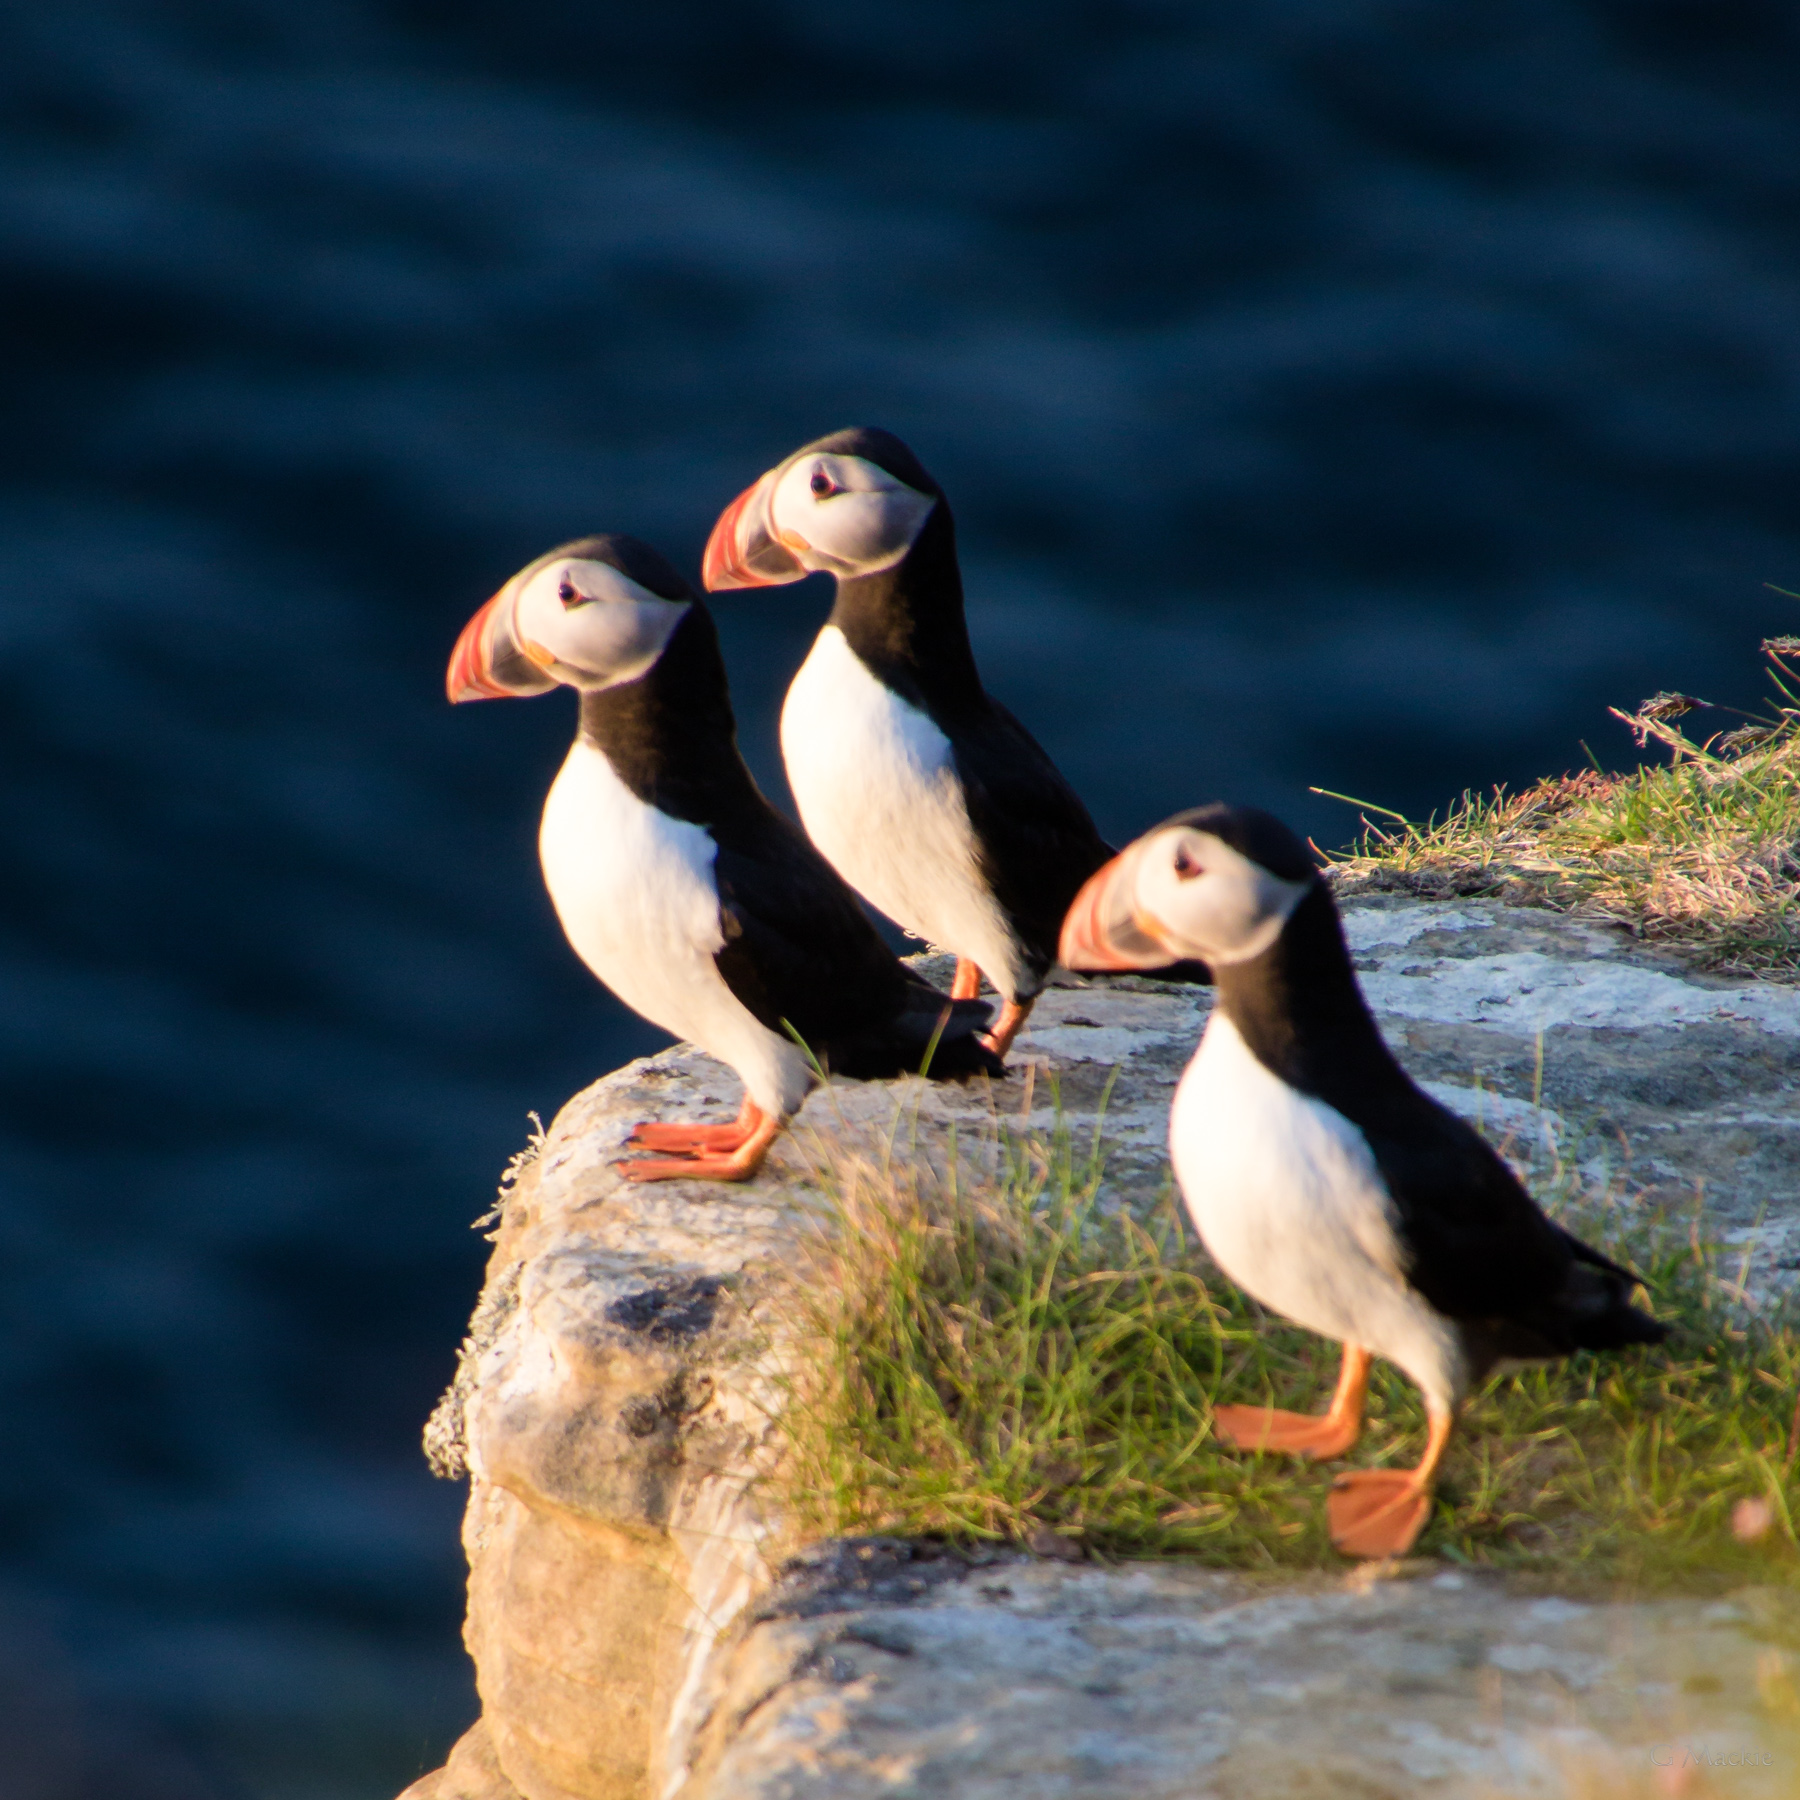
x=993 y=1351
x=1702 y=854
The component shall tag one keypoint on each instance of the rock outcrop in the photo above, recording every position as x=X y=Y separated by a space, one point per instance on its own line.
x=633 y=1639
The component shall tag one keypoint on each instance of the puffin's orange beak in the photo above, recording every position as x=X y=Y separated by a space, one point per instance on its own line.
x=743 y=550
x=489 y=663
x=1102 y=929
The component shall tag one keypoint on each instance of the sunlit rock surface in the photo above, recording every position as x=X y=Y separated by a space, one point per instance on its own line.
x=632 y=1638
x=1157 y=1682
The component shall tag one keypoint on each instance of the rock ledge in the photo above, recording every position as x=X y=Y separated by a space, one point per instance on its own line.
x=632 y=1639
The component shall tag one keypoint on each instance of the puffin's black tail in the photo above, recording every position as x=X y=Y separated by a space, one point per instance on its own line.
x=1595 y=1303
x=902 y=1046
x=1595 y=1312
x=1592 y=1311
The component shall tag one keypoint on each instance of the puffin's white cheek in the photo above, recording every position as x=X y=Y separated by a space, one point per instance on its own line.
x=616 y=642
x=1243 y=918
x=1210 y=915
x=1185 y=911
x=862 y=533
x=1230 y=913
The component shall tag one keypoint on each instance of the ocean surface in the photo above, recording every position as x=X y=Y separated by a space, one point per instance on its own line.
x=1359 y=394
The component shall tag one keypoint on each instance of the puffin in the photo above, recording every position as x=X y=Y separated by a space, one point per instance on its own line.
x=924 y=792
x=677 y=883
x=1322 y=1179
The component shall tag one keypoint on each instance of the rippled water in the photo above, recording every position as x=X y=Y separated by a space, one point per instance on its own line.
x=1353 y=394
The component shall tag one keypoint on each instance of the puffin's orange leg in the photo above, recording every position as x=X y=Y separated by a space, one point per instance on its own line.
x=1318 y=1435
x=691 y=1140
x=739 y=1165
x=967 y=985
x=1380 y=1512
x=1000 y=1035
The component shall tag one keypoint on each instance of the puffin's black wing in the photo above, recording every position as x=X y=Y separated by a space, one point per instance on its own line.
x=799 y=951
x=1038 y=842
x=1480 y=1250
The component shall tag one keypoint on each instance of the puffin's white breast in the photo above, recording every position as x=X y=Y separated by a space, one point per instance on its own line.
x=879 y=794
x=635 y=892
x=1288 y=1199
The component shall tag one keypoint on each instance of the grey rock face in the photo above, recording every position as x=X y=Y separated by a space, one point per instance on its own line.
x=1030 y=1681
x=618 y=1392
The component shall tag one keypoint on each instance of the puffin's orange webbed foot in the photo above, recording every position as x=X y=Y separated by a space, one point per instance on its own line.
x=738 y=1164
x=1377 y=1512
x=1380 y=1512
x=1317 y=1435
x=695 y=1140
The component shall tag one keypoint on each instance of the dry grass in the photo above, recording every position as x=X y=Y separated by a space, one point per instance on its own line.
x=1702 y=854
x=989 y=1353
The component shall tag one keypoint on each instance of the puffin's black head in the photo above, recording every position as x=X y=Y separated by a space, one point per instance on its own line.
x=1217 y=883
x=1256 y=835
x=882 y=448
x=851 y=504
x=589 y=615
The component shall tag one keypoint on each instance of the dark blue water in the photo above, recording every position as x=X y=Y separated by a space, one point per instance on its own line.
x=1354 y=394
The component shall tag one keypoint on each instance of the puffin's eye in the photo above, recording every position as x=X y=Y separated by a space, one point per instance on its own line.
x=823 y=485
x=1185 y=866
x=568 y=593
